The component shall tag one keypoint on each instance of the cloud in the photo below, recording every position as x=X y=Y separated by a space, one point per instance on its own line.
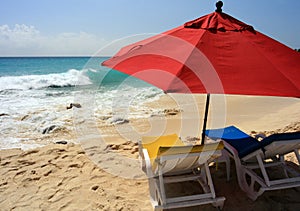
x=19 y=32
x=27 y=40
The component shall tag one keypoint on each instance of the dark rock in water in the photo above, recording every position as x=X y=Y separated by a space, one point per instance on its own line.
x=58 y=86
x=77 y=105
x=61 y=142
x=49 y=129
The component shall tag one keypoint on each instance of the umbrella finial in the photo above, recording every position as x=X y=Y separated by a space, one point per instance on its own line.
x=219 y=6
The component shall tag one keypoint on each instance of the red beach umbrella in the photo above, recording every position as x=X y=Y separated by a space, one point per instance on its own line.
x=214 y=54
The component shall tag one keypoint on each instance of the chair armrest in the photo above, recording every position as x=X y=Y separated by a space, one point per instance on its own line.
x=146 y=163
x=234 y=153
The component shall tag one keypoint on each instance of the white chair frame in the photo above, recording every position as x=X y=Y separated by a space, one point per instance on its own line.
x=272 y=156
x=166 y=171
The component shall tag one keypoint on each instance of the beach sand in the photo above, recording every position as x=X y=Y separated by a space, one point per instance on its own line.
x=103 y=172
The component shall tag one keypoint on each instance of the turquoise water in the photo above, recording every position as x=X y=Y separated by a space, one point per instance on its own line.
x=35 y=91
x=18 y=66
x=43 y=72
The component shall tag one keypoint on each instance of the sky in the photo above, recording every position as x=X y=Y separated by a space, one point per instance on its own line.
x=89 y=27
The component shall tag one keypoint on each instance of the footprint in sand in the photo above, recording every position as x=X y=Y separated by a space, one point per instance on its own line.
x=127 y=146
x=48 y=173
x=75 y=165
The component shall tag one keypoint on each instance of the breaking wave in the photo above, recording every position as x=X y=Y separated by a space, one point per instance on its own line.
x=57 y=80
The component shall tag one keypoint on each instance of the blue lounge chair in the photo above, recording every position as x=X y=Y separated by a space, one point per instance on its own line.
x=251 y=154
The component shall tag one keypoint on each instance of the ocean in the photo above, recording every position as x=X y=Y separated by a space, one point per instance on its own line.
x=36 y=91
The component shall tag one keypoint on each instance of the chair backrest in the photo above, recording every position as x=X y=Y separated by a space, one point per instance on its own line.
x=280 y=144
x=177 y=150
x=242 y=142
x=174 y=156
x=230 y=132
x=152 y=143
x=280 y=137
x=186 y=158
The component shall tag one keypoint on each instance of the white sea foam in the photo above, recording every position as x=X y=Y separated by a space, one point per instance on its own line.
x=27 y=112
x=71 y=78
x=126 y=100
x=10 y=142
x=29 y=104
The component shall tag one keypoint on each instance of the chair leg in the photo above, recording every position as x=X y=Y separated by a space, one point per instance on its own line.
x=227 y=161
x=249 y=189
x=162 y=187
x=203 y=180
x=210 y=182
x=282 y=164
x=153 y=192
x=225 y=158
x=296 y=151
x=219 y=205
x=158 y=209
x=263 y=170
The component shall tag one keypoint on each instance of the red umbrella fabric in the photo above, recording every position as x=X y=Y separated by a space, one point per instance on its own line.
x=215 y=54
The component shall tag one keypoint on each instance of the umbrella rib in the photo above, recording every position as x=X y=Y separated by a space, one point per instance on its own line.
x=181 y=70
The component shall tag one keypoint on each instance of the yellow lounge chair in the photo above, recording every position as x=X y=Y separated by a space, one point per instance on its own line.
x=166 y=159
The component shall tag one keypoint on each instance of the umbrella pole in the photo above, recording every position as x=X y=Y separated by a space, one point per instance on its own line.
x=205 y=118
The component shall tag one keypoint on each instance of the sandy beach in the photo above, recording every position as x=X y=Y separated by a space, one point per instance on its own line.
x=99 y=169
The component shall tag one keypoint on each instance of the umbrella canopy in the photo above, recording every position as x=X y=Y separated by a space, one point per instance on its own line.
x=215 y=53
